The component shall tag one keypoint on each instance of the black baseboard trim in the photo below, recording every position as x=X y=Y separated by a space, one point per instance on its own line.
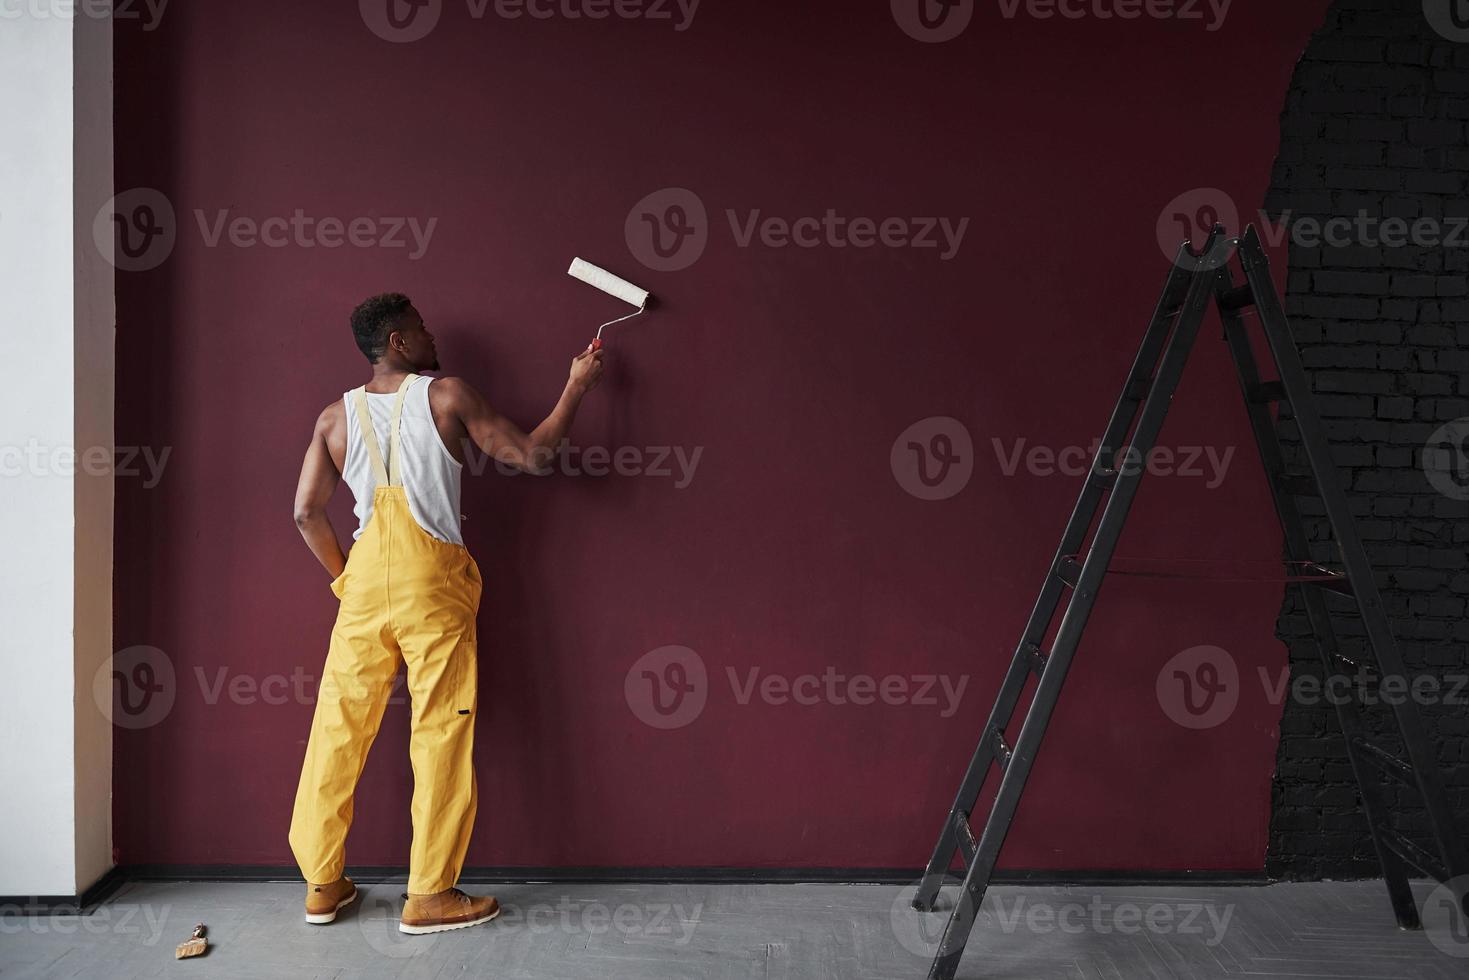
x=697 y=876
x=109 y=883
x=100 y=891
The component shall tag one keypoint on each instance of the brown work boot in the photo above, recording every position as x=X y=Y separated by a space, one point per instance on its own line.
x=440 y=912
x=323 y=902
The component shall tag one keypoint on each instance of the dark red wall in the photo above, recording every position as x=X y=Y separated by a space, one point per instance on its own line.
x=794 y=548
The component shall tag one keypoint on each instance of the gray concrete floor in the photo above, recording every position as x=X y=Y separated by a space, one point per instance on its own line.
x=843 y=932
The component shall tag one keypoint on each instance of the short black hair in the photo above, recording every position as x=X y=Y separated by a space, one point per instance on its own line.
x=374 y=319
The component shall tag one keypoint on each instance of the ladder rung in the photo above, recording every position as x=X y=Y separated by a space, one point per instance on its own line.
x=1268 y=391
x=964 y=834
x=1000 y=747
x=1237 y=298
x=1413 y=855
x=1386 y=761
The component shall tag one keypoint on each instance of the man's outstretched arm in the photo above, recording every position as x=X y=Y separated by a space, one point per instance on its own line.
x=503 y=440
x=319 y=478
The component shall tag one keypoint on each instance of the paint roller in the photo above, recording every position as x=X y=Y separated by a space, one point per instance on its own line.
x=613 y=286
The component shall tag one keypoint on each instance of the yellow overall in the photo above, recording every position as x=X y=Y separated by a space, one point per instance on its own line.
x=404 y=593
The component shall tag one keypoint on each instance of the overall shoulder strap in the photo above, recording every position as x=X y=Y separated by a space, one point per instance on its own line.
x=369 y=437
x=395 y=474
x=383 y=476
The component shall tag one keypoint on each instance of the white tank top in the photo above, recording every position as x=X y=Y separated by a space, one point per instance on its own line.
x=431 y=476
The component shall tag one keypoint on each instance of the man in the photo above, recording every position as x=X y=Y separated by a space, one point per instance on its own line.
x=408 y=590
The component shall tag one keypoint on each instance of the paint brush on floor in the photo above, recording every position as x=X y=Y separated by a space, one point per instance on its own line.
x=197 y=945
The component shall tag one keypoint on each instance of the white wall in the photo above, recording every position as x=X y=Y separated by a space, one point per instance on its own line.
x=55 y=528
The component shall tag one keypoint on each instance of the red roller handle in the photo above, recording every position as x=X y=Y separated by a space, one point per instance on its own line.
x=596 y=344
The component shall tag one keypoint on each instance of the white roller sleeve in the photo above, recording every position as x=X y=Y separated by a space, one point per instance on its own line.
x=608 y=283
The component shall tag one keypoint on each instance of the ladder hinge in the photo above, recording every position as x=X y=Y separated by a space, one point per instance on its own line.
x=1001 y=748
x=1035 y=658
x=1069 y=571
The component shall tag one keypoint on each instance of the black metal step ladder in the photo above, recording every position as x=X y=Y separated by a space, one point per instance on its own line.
x=1199 y=278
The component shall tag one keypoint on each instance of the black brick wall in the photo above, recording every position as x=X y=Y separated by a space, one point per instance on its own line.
x=1375 y=122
